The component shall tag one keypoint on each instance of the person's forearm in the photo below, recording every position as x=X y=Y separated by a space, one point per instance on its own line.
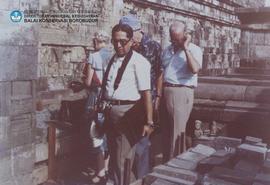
x=192 y=62
x=159 y=85
x=89 y=76
x=147 y=98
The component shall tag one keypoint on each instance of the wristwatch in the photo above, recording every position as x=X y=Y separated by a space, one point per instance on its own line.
x=151 y=124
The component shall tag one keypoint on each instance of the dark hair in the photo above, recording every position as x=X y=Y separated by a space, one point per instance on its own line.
x=123 y=27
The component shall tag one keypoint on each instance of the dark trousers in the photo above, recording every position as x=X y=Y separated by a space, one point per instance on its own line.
x=142 y=161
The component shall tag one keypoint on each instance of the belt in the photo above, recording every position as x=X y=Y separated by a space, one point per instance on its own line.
x=166 y=84
x=121 y=102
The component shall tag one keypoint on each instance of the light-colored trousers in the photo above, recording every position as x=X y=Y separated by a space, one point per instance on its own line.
x=179 y=103
x=119 y=146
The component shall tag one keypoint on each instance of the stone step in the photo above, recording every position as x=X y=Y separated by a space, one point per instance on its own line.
x=232 y=81
x=249 y=76
x=236 y=92
x=231 y=111
x=253 y=70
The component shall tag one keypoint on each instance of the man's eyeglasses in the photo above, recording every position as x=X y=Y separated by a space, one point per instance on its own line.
x=122 y=42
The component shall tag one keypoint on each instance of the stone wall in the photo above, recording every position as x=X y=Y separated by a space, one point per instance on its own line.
x=255 y=37
x=40 y=59
x=18 y=72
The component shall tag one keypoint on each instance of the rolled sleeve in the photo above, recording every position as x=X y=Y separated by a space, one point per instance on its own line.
x=143 y=74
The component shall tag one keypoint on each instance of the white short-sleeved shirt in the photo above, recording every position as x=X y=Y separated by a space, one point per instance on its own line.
x=136 y=78
x=99 y=61
x=175 y=67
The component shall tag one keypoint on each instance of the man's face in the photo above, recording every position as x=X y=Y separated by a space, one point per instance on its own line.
x=121 y=43
x=177 y=39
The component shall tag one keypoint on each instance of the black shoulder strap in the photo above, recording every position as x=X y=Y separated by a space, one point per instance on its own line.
x=121 y=70
x=119 y=73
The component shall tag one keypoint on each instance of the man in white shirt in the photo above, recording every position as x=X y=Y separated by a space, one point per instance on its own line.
x=181 y=62
x=124 y=130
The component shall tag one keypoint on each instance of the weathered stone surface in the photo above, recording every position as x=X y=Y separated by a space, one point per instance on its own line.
x=262 y=178
x=21 y=106
x=4 y=128
x=263 y=145
x=5 y=95
x=248 y=166
x=252 y=140
x=214 y=181
x=150 y=178
x=177 y=173
x=23 y=137
x=22 y=89
x=162 y=182
x=183 y=164
x=204 y=140
x=191 y=156
x=253 y=153
x=221 y=142
x=204 y=150
x=23 y=159
x=230 y=175
x=21 y=122
x=268 y=154
x=41 y=152
x=5 y=168
x=208 y=163
x=40 y=174
x=223 y=153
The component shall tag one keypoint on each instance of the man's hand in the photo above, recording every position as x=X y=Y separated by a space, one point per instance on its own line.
x=187 y=41
x=147 y=130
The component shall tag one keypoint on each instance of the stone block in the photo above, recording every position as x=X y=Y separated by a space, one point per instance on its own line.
x=21 y=106
x=248 y=166
x=21 y=122
x=5 y=95
x=191 y=156
x=4 y=127
x=204 y=140
x=224 y=153
x=263 y=145
x=137 y=182
x=257 y=183
x=262 y=178
x=183 y=164
x=23 y=159
x=163 y=182
x=152 y=177
x=261 y=51
x=268 y=155
x=250 y=152
x=41 y=151
x=222 y=142
x=203 y=149
x=21 y=89
x=5 y=168
x=208 y=163
x=214 y=181
x=21 y=138
x=252 y=140
x=40 y=174
x=266 y=166
x=10 y=5
x=177 y=173
x=235 y=176
x=28 y=63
